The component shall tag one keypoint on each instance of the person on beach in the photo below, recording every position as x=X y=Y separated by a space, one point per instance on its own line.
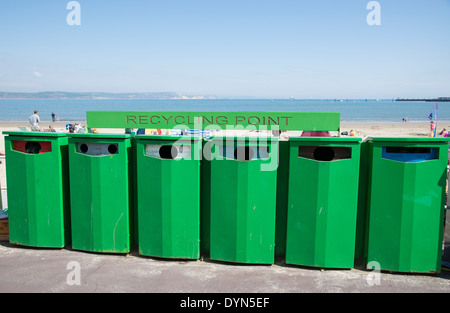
x=34 y=121
x=53 y=117
x=432 y=126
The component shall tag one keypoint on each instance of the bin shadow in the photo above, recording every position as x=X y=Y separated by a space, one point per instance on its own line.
x=164 y=259
x=10 y=245
x=206 y=259
x=311 y=268
x=69 y=248
x=280 y=261
x=135 y=252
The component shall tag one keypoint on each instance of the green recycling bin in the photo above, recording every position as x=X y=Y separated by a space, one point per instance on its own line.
x=100 y=192
x=240 y=184
x=322 y=201
x=38 y=189
x=168 y=196
x=406 y=203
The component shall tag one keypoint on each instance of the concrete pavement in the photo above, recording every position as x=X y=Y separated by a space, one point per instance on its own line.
x=68 y=271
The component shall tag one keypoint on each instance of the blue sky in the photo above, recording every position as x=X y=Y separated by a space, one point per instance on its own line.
x=245 y=48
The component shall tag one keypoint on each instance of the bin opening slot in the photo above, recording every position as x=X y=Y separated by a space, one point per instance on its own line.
x=84 y=148
x=244 y=153
x=410 y=154
x=168 y=152
x=97 y=149
x=408 y=150
x=325 y=153
x=32 y=147
x=113 y=149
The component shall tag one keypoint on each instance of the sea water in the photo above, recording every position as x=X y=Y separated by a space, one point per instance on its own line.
x=351 y=110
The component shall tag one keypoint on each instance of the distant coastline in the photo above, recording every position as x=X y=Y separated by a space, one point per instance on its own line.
x=440 y=99
x=62 y=95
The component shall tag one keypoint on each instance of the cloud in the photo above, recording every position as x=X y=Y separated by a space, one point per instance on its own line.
x=37 y=74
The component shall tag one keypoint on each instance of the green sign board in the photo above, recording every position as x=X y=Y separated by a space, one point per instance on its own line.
x=312 y=121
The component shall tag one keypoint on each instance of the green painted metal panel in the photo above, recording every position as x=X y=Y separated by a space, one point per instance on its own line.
x=101 y=202
x=322 y=202
x=172 y=138
x=325 y=140
x=312 y=121
x=240 y=201
x=168 y=195
x=406 y=203
x=38 y=197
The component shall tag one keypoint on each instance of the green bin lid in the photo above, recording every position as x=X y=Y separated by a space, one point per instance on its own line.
x=34 y=134
x=326 y=139
x=243 y=138
x=168 y=137
x=99 y=136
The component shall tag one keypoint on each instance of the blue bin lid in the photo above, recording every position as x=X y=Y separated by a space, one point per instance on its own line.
x=409 y=139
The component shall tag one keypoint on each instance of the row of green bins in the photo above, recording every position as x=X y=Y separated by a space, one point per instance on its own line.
x=399 y=183
x=239 y=199
x=405 y=203
x=38 y=189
